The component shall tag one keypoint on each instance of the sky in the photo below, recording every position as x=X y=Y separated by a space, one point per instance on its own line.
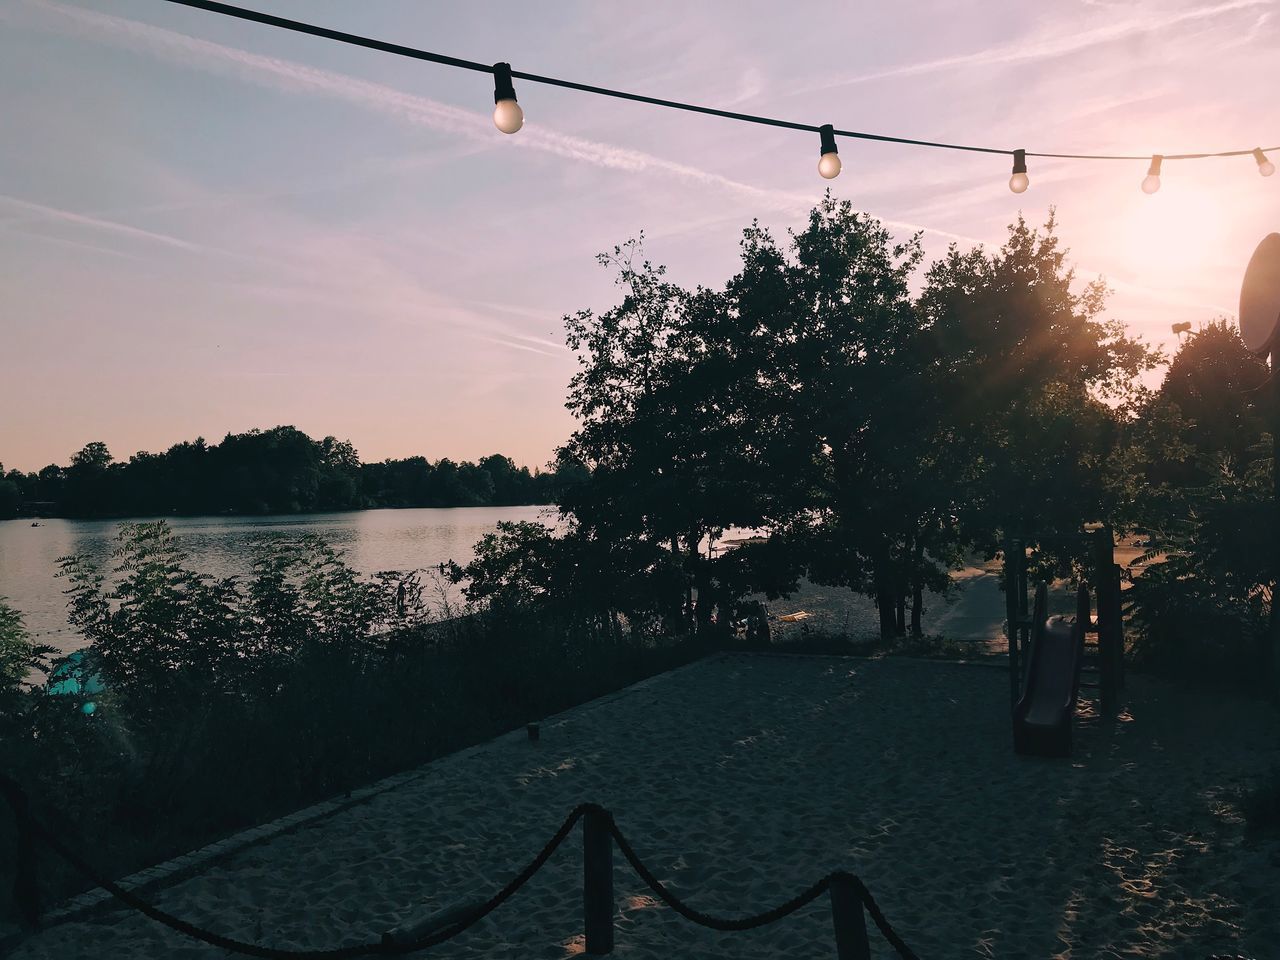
x=208 y=225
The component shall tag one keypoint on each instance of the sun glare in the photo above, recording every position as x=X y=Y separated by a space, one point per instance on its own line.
x=1168 y=236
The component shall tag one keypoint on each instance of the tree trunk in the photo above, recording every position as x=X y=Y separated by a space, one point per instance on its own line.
x=917 y=589
x=900 y=616
x=888 y=618
x=701 y=581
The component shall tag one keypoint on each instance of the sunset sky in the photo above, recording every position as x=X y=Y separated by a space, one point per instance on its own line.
x=210 y=225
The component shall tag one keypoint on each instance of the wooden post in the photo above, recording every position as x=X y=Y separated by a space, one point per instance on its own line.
x=597 y=882
x=1084 y=610
x=1108 y=586
x=1119 y=625
x=1024 y=632
x=1084 y=613
x=847 y=919
x=1012 y=548
x=1274 y=625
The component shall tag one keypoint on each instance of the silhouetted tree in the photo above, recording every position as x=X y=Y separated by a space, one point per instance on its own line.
x=281 y=470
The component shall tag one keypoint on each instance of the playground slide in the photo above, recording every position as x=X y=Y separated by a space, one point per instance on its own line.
x=1043 y=716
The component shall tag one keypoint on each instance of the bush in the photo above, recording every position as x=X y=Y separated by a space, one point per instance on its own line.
x=231 y=702
x=1203 y=610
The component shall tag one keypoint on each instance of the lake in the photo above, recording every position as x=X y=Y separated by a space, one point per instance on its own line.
x=370 y=540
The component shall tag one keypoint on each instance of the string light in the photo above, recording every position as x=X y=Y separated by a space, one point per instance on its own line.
x=1019 y=182
x=508 y=116
x=829 y=164
x=1151 y=183
x=1265 y=166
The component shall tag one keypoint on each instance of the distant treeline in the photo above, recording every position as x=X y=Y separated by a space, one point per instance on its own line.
x=281 y=470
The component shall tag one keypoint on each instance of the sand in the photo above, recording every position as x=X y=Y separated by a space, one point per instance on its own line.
x=743 y=778
x=973 y=614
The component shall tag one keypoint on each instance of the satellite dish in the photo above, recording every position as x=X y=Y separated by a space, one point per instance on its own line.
x=1260 y=296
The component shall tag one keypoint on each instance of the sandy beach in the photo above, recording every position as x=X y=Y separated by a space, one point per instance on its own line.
x=741 y=779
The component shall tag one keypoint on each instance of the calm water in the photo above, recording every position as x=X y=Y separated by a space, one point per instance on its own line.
x=371 y=540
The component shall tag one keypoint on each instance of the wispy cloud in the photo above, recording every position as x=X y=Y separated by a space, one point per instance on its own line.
x=91 y=247
x=294 y=77
x=1045 y=47
x=290 y=76
x=38 y=212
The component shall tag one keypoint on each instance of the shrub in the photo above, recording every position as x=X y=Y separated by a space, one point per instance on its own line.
x=230 y=702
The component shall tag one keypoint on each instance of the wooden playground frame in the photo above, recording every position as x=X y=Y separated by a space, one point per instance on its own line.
x=1107 y=627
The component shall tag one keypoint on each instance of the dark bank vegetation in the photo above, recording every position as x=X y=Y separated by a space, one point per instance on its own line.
x=229 y=702
x=873 y=422
x=281 y=470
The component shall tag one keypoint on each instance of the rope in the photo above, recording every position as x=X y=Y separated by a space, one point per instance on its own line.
x=768 y=916
x=17 y=800
x=523 y=877
x=26 y=893
x=879 y=919
x=383 y=46
x=706 y=919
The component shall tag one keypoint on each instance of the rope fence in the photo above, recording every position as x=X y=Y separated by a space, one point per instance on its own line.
x=849 y=897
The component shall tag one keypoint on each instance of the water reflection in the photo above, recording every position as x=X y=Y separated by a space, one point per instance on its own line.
x=371 y=540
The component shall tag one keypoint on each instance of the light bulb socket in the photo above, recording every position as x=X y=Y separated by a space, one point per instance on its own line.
x=503 y=88
x=1259 y=156
x=1019 y=161
x=1154 y=169
x=828 y=134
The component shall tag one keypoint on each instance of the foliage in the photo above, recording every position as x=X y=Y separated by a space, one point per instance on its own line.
x=162 y=627
x=1204 y=489
x=19 y=656
x=1024 y=364
x=281 y=470
x=872 y=436
x=10 y=496
x=229 y=702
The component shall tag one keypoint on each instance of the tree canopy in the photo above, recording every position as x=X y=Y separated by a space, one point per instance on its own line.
x=281 y=470
x=874 y=433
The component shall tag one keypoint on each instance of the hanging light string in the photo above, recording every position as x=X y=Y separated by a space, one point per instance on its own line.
x=508 y=114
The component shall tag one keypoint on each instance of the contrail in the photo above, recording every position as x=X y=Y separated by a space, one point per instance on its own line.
x=44 y=213
x=294 y=77
x=280 y=74
x=1044 y=48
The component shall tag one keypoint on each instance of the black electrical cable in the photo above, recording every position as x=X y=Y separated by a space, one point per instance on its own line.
x=298 y=26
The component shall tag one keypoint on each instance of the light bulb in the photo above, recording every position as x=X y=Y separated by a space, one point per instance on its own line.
x=829 y=164
x=1019 y=182
x=1265 y=166
x=1152 y=182
x=507 y=116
